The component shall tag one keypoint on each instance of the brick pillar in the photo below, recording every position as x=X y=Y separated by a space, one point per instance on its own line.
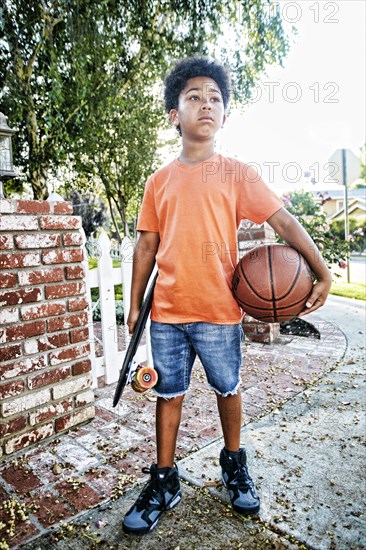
x=45 y=381
x=250 y=235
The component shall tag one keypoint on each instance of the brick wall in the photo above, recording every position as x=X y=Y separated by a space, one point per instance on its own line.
x=45 y=379
x=250 y=235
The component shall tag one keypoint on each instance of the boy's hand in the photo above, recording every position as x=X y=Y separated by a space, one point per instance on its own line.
x=132 y=319
x=317 y=297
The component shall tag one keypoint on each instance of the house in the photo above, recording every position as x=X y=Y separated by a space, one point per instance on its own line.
x=333 y=203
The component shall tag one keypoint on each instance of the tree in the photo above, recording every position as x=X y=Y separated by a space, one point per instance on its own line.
x=122 y=158
x=53 y=65
x=67 y=66
x=91 y=209
x=309 y=213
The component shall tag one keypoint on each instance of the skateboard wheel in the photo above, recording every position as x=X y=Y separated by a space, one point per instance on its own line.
x=144 y=379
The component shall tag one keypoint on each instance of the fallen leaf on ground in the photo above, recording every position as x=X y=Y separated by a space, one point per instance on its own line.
x=56 y=469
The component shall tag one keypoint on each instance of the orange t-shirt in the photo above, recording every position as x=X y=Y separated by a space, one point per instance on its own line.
x=197 y=211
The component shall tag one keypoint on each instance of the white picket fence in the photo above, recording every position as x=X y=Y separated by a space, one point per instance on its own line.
x=104 y=278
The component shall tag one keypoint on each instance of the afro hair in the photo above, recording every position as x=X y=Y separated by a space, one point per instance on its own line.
x=192 y=67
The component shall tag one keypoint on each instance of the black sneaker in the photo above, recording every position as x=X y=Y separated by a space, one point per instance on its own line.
x=236 y=478
x=161 y=492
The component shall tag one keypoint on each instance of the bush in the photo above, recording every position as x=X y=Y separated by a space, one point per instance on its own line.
x=357 y=233
x=118 y=293
x=119 y=312
x=94 y=292
x=309 y=213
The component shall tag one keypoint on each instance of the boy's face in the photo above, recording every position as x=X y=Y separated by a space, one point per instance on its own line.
x=200 y=112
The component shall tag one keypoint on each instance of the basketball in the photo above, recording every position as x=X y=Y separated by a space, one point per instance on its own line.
x=272 y=283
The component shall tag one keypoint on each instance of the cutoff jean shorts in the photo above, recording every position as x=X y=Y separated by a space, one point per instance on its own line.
x=175 y=346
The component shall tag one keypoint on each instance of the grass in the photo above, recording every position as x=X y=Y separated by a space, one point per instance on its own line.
x=93 y=263
x=349 y=290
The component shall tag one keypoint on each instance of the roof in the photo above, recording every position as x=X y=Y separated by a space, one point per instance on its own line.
x=354 y=206
x=359 y=193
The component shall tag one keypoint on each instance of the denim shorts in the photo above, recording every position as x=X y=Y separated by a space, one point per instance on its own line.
x=175 y=346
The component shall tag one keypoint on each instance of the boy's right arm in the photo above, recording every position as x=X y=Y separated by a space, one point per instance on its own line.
x=143 y=264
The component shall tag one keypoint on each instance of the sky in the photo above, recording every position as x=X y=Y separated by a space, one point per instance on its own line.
x=312 y=105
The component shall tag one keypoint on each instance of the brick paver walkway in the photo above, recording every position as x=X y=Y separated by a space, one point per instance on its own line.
x=55 y=482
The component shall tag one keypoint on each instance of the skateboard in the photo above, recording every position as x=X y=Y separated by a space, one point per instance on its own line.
x=141 y=378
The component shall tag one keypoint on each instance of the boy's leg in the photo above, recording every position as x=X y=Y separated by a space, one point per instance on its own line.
x=162 y=492
x=173 y=359
x=233 y=459
x=220 y=353
x=168 y=415
x=230 y=416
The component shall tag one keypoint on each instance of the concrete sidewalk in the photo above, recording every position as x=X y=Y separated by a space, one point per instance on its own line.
x=309 y=457
x=304 y=422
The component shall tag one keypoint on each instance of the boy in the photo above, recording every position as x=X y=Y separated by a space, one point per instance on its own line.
x=188 y=222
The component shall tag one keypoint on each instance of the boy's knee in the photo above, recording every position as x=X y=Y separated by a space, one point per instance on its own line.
x=171 y=401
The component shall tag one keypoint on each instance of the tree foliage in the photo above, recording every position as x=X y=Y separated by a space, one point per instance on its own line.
x=79 y=78
x=122 y=158
x=363 y=164
x=91 y=209
x=310 y=214
x=357 y=233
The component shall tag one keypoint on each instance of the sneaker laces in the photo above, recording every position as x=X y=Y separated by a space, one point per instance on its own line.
x=243 y=478
x=152 y=487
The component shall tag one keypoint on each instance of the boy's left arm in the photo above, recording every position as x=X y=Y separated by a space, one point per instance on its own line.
x=291 y=231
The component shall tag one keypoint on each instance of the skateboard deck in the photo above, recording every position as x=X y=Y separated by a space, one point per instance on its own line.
x=128 y=363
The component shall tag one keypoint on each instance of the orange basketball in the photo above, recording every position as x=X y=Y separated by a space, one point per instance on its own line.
x=272 y=283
